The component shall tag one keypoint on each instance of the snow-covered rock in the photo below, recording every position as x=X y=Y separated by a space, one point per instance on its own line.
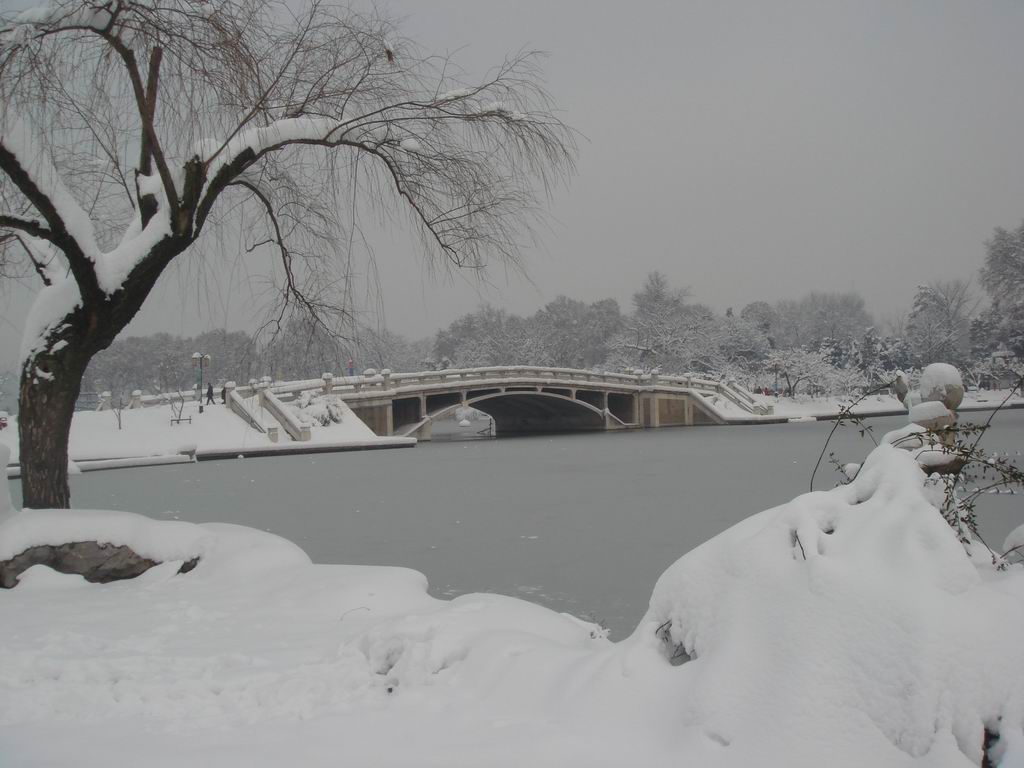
x=931 y=414
x=113 y=545
x=941 y=382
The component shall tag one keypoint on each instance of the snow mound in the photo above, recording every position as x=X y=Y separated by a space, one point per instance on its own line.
x=1015 y=539
x=474 y=629
x=846 y=623
x=845 y=628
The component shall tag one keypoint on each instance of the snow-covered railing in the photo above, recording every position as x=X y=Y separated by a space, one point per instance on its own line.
x=295 y=429
x=385 y=379
x=371 y=382
x=240 y=407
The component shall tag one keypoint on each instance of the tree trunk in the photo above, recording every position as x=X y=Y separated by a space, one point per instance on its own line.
x=46 y=403
x=51 y=379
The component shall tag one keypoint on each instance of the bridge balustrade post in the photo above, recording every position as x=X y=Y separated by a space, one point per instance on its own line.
x=328 y=384
x=386 y=375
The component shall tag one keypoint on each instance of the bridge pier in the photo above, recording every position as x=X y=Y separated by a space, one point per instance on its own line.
x=379 y=417
x=649 y=410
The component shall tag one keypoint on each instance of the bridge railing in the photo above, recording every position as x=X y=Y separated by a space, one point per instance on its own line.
x=387 y=381
x=453 y=375
x=295 y=428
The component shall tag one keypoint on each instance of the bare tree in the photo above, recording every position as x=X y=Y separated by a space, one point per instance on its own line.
x=130 y=129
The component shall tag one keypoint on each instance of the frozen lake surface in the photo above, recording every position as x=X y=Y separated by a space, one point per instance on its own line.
x=582 y=523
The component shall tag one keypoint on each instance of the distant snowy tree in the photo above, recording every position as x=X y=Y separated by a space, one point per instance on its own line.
x=666 y=332
x=879 y=358
x=938 y=326
x=742 y=343
x=6 y=377
x=572 y=334
x=486 y=337
x=798 y=367
x=301 y=349
x=894 y=354
x=868 y=357
x=380 y=348
x=986 y=332
x=844 y=381
x=816 y=316
x=763 y=317
x=838 y=354
x=162 y=362
x=1002 y=277
x=129 y=130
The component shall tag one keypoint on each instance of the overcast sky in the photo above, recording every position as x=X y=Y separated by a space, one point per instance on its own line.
x=749 y=150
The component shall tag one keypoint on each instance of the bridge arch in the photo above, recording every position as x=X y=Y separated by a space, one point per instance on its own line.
x=525 y=412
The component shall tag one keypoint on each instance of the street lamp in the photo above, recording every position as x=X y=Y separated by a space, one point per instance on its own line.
x=200 y=361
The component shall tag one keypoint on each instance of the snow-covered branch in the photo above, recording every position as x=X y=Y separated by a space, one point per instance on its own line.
x=28 y=166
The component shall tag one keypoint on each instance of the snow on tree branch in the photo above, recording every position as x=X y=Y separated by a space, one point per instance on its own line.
x=28 y=166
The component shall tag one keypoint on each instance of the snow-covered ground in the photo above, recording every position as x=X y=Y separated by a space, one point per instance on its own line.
x=149 y=432
x=805 y=406
x=846 y=628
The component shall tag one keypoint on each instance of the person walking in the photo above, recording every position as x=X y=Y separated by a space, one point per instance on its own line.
x=209 y=394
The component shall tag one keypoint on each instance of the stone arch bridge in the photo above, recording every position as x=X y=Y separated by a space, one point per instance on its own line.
x=524 y=400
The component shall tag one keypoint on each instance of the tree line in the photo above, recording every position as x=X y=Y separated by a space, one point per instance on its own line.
x=822 y=342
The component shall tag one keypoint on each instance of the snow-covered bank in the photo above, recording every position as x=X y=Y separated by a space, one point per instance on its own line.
x=98 y=438
x=826 y=407
x=845 y=628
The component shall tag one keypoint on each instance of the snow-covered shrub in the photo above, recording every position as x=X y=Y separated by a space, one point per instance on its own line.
x=324 y=410
x=312 y=407
x=959 y=468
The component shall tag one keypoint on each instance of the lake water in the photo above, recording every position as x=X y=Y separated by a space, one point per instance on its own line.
x=582 y=523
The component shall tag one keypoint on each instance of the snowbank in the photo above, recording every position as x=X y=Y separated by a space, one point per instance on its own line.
x=845 y=628
x=803 y=405
x=150 y=432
